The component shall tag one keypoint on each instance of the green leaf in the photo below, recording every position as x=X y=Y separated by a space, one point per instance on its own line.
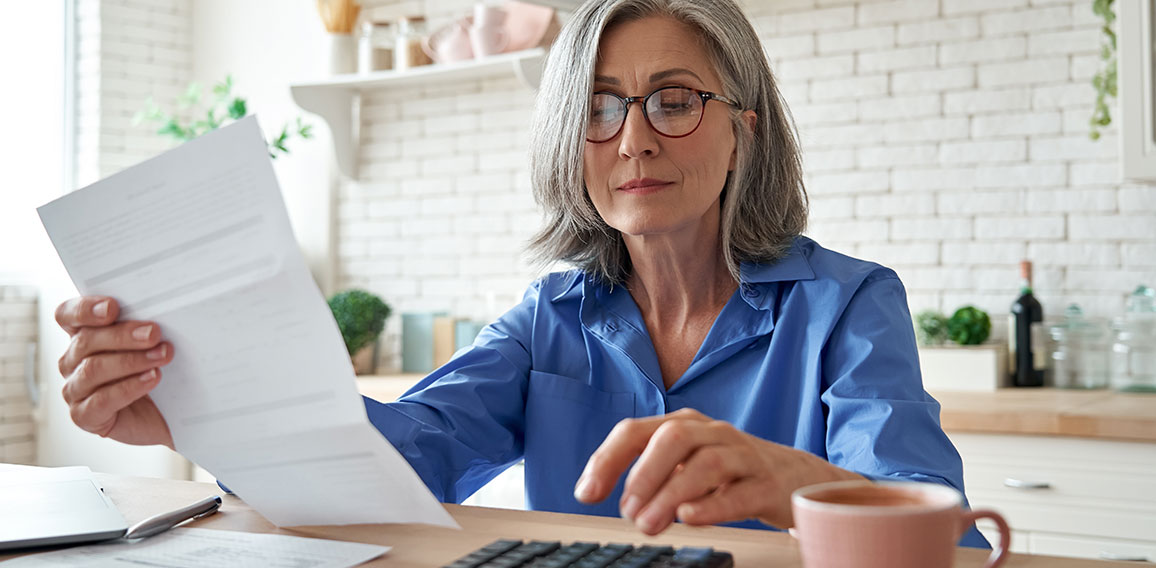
x=304 y=130
x=238 y=109
x=1104 y=82
x=191 y=96
x=222 y=89
x=173 y=128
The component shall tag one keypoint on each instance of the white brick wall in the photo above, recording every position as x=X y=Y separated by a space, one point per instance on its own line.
x=127 y=52
x=963 y=131
x=945 y=138
x=441 y=212
x=18 y=333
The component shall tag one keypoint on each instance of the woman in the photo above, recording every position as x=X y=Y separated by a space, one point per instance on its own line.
x=700 y=334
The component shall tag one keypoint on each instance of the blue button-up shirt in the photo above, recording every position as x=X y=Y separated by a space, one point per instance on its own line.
x=815 y=351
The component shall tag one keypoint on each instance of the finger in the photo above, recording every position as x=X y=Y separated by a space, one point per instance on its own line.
x=742 y=499
x=624 y=443
x=98 y=412
x=672 y=442
x=85 y=311
x=100 y=370
x=121 y=336
x=709 y=468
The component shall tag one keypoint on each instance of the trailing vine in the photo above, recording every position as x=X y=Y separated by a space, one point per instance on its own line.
x=1105 y=80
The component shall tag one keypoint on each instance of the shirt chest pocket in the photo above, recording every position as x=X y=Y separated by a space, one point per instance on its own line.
x=567 y=419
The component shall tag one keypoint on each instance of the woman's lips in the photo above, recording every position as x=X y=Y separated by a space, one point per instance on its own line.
x=644 y=186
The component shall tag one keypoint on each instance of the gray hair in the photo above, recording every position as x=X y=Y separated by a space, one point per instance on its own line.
x=764 y=204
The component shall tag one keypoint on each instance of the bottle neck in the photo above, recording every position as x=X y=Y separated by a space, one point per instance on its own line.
x=1026 y=287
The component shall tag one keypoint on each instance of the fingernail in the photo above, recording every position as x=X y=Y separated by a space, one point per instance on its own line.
x=100 y=310
x=685 y=510
x=142 y=333
x=584 y=491
x=155 y=353
x=649 y=521
x=148 y=376
x=630 y=507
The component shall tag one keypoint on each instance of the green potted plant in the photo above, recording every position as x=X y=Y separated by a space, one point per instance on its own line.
x=197 y=114
x=930 y=328
x=969 y=325
x=360 y=316
x=952 y=352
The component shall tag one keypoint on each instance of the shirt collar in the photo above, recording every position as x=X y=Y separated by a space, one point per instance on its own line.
x=793 y=266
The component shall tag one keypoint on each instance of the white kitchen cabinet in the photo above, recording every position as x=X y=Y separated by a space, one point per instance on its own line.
x=1065 y=496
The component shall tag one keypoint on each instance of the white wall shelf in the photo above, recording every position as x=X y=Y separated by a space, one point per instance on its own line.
x=336 y=99
x=567 y=5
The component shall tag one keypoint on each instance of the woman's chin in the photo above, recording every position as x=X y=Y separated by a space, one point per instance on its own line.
x=643 y=228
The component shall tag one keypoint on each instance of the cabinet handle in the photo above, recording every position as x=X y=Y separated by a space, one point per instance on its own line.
x=1123 y=557
x=1023 y=484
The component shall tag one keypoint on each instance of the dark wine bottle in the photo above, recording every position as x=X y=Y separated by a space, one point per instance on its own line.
x=1025 y=335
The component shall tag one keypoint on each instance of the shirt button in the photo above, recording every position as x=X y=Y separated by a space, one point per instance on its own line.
x=611 y=326
x=751 y=292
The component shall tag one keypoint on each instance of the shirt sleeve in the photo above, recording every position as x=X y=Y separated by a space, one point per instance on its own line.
x=880 y=422
x=463 y=424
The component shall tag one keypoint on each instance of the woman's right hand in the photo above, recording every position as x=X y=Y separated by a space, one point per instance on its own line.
x=109 y=369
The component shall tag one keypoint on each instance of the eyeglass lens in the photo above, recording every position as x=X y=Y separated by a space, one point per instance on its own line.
x=672 y=111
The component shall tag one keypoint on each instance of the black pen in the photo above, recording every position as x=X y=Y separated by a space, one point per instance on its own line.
x=165 y=521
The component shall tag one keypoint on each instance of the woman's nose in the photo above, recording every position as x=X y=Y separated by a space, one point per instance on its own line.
x=638 y=138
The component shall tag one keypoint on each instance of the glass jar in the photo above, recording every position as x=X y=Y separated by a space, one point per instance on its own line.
x=375 y=47
x=1079 y=352
x=1134 y=355
x=408 y=51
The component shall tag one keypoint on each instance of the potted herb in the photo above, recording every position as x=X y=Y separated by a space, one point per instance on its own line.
x=969 y=325
x=360 y=316
x=952 y=352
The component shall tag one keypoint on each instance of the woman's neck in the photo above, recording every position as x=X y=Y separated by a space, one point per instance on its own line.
x=679 y=276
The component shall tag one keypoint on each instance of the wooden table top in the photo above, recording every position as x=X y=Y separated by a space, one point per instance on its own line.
x=1099 y=414
x=425 y=546
x=1056 y=412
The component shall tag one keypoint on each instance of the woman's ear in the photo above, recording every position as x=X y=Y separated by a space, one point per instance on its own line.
x=750 y=119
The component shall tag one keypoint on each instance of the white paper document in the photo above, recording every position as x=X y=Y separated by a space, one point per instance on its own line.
x=194 y=548
x=261 y=391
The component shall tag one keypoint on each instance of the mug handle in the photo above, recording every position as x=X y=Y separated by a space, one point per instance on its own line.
x=1000 y=553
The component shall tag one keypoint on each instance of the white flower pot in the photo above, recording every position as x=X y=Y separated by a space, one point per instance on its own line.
x=964 y=368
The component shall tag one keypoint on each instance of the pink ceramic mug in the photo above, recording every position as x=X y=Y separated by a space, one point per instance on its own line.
x=885 y=525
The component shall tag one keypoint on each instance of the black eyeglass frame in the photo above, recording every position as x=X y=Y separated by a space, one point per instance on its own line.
x=627 y=101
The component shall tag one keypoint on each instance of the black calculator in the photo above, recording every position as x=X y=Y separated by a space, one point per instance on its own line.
x=553 y=554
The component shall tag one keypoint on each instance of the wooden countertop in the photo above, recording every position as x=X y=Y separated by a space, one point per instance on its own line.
x=422 y=546
x=1055 y=412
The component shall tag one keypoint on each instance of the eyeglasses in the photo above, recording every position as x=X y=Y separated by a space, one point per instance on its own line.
x=673 y=112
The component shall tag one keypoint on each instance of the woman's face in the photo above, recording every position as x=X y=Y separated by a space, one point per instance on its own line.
x=641 y=182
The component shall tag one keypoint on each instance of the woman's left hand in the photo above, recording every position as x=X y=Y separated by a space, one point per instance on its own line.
x=699 y=471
